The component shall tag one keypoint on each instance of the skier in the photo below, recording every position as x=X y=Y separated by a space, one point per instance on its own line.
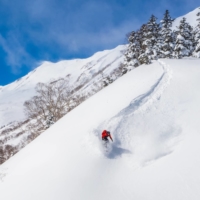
x=105 y=135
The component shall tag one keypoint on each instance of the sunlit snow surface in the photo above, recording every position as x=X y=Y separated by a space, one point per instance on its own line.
x=81 y=72
x=191 y=18
x=153 y=114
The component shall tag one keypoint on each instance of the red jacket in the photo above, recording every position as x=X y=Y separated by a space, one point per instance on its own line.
x=106 y=134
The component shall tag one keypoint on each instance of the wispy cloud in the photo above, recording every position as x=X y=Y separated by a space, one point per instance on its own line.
x=91 y=26
x=16 y=54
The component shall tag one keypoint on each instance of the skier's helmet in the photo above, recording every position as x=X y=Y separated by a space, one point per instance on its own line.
x=108 y=132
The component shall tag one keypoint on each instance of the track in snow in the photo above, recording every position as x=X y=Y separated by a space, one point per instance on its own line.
x=145 y=130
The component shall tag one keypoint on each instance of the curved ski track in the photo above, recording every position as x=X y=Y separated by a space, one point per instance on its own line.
x=140 y=105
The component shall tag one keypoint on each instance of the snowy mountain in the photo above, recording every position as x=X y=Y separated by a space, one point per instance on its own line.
x=153 y=115
x=191 y=18
x=81 y=71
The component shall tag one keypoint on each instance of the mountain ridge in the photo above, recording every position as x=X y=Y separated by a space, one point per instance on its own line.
x=75 y=68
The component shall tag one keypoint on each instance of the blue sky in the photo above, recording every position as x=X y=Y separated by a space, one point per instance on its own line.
x=32 y=31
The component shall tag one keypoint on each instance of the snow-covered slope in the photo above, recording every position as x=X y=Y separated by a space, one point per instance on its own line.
x=81 y=72
x=191 y=18
x=153 y=114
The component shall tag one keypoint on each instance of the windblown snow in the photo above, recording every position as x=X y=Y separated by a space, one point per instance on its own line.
x=153 y=115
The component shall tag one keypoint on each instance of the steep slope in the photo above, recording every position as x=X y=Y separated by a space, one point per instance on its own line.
x=153 y=115
x=81 y=72
x=191 y=18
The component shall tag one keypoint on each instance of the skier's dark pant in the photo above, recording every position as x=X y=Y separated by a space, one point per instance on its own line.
x=105 y=139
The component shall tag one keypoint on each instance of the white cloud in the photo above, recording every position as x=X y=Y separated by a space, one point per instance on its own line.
x=16 y=54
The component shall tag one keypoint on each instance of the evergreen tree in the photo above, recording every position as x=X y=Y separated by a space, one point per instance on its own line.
x=142 y=37
x=152 y=35
x=166 y=43
x=196 y=52
x=107 y=80
x=49 y=120
x=184 y=40
x=132 y=53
